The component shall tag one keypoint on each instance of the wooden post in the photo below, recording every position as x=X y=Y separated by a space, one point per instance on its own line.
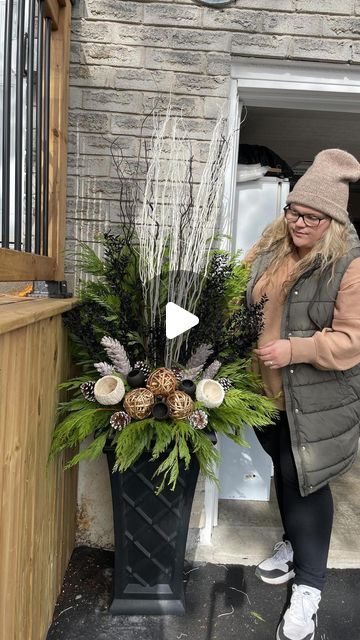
x=51 y=10
x=59 y=92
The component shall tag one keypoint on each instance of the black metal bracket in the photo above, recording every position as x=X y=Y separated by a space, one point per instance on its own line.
x=50 y=289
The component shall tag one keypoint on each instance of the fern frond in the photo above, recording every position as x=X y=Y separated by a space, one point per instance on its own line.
x=132 y=441
x=184 y=433
x=77 y=426
x=74 y=383
x=169 y=468
x=243 y=406
x=93 y=451
x=77 y=403
x=241 y=376
x=208 y=456
x=163 y=437
x=236 y=285
x=88 y=261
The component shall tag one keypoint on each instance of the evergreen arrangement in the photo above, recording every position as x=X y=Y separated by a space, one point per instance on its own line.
x=95 y=325
x=135 y=388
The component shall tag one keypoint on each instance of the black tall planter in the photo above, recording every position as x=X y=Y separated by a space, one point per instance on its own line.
x=150 y=538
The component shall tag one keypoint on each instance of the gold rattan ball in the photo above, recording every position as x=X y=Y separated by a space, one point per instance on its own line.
x=161 y=382
x=139 y=402
x=180 y=404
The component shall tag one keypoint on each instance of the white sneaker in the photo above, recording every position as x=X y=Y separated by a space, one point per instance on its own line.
x=299 y=619
x=280 y=567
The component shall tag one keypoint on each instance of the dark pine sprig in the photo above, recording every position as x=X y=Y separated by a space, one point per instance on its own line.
x=156 y=342
x=211 y=306
x=220 y=271
x=242 y=330
x=116 y=260
x=111 y=303
x=86 y=323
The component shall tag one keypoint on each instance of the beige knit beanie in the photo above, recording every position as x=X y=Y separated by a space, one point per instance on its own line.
x=325 y=185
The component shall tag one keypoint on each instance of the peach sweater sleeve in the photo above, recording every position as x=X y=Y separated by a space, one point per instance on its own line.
x=336 y=347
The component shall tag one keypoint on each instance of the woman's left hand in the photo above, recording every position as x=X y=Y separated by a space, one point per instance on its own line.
x=275 y=354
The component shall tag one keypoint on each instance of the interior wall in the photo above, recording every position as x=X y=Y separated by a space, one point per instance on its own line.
x=298 y=135
x=354 y=206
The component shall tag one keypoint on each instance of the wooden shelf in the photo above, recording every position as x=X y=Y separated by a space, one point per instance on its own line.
x=25 y=311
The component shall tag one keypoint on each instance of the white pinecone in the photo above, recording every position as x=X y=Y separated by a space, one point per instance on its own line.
x=144 y=367
x=177 y=373
x=87 y=389
x=225 y=383
x=198 y=419
x=119 y=420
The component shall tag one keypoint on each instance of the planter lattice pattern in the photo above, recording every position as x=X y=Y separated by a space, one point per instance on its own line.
x=150 y=538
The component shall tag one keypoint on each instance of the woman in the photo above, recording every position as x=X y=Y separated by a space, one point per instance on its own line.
x=308 y=264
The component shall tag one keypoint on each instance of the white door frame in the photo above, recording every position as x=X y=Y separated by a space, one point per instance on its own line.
x=260 y=82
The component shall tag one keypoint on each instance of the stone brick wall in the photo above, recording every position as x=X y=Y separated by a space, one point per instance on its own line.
x=125 y=55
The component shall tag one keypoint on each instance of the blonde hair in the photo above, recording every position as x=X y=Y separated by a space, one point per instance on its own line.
x=332 y=246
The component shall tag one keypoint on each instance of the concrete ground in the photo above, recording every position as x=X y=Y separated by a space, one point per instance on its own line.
x=224 y=599
x=223 y=602
x=247 y=530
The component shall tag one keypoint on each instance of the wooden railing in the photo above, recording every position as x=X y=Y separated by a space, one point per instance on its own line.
x=37 y=251
x=38 y=502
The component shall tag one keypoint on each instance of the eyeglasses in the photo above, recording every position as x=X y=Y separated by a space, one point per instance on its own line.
x=309 y=219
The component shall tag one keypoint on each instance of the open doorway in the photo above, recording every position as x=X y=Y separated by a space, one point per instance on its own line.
x=297 y=135
x=292 y=137
x=295 y=110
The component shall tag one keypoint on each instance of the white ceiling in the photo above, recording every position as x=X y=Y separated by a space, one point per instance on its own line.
x=297 y=135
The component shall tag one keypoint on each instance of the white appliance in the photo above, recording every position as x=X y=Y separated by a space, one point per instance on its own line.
x=257 y=203
x=245 y=473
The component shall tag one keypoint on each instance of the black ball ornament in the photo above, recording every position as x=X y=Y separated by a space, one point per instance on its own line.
x=160 y=411
x=188 y=386
x=136 y=378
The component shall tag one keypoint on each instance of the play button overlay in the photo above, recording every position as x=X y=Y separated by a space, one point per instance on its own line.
x=178 y=320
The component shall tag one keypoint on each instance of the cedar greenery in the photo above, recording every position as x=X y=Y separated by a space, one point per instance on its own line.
x=111 y=304
x=241 y=406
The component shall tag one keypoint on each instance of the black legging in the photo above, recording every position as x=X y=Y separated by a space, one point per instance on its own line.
x=307 y=521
